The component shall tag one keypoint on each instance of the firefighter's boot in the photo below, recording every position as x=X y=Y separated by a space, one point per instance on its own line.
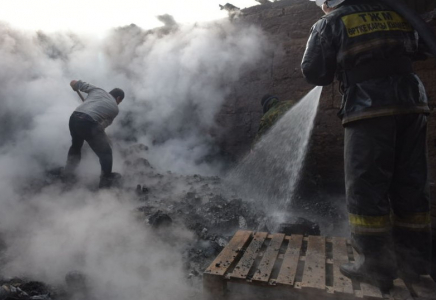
x=413 y=252
x=375 y=263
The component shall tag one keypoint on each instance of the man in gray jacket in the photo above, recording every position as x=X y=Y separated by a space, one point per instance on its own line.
x=88 y=122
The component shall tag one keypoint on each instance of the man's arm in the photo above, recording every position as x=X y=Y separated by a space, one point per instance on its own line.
x=319 y=60
x=79 y=85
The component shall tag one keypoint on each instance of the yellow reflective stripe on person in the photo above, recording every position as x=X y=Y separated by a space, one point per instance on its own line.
x=370 y=225
x=369 y=22
x=370 y=221
x=413 y=221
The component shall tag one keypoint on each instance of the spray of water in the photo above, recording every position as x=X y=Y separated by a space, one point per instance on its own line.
x=269 y=174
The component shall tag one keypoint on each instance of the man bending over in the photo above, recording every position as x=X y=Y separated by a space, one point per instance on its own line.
x=88 y=122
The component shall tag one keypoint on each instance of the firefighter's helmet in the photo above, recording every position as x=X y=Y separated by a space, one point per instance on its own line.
x=319 y=2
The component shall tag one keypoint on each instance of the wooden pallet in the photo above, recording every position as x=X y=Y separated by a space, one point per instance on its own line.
x=300 y=267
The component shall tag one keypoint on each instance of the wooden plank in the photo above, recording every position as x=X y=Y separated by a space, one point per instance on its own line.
x=216 y=276
x=368 y=290
x=266 y=265
x=227 y=256
x=288 y=270
x=314 y=267
x=358 y=294
x=425 y=289
x=341 y=283
x=400 y=291
x=244 y=265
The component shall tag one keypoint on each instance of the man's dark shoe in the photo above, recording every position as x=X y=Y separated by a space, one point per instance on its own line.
x=111 y=180
x=68 y=177
x=357 y=271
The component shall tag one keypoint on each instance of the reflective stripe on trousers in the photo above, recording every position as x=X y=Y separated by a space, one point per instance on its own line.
x=383 y=224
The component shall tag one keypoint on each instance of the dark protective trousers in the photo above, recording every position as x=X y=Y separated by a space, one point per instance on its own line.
x=84 y=128
x=387 y=189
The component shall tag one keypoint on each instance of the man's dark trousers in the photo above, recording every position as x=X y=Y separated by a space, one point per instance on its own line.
x=84 y=128
x=387 y=188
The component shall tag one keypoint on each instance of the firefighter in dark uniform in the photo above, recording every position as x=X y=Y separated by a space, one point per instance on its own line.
x=369 y=47
x=273 y=109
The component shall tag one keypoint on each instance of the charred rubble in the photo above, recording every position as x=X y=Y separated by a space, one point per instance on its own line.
x=202 y=204
x=202 y=208
x=18 y=288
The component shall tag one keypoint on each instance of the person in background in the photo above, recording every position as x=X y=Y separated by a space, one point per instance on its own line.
x=88 y=123
x=369 y=48
x=273 y=109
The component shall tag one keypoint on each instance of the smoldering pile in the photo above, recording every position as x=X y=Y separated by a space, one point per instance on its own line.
x=164 y=201
x=201 y=204
x=17 y=288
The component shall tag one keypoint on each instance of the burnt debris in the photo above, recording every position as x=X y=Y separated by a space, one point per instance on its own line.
x=17 y=288
x=160 y=219
x=300 y=226
x=167 y=201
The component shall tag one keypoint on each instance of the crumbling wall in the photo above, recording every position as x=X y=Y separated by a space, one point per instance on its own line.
x=287 y=23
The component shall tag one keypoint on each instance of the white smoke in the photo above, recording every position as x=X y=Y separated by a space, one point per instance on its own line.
x=98 y=237
x=179 y=82
x=175 y=79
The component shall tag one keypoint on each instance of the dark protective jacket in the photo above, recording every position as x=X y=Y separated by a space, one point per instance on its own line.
x=275 y=109
x=369 y=48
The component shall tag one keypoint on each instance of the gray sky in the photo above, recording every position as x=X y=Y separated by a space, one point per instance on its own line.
x=95 y=16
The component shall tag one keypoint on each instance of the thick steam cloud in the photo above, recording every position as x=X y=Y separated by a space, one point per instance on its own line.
x=175 y=78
